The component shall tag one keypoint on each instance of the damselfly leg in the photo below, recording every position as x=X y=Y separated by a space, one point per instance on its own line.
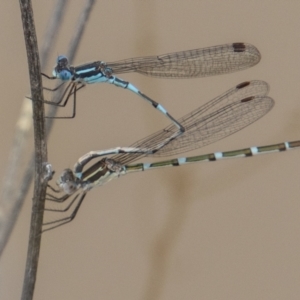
x=63 y=97
x=61 y=221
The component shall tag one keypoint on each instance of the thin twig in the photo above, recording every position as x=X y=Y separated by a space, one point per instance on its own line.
x=40 y=183
x=12 y=199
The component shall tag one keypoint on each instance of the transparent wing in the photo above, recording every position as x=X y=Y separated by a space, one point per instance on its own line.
x=203 y=62
x=215 y=120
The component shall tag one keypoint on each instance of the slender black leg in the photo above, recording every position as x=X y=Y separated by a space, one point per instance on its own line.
x=57 y=199
x=53 y=189
x=66 y=219
x=65 y=209
x=55 y=89
x=49 y=77
x=69 y=91
x=73 y=88
x=66 y=94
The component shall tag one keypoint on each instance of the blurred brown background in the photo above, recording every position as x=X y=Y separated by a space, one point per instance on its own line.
x=228 y=230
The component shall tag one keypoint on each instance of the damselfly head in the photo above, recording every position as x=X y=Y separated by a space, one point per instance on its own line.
x=62 y=69
x=68 y=182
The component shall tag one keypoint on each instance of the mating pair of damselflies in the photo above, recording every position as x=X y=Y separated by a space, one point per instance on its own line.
x=222 y=116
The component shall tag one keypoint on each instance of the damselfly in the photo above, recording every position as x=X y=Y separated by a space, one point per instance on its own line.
x=220 y=117
x=204 y=62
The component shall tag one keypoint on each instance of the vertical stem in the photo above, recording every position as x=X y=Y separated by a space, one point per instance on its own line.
x=40 y=182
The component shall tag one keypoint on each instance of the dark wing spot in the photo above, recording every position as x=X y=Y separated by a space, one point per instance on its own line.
x=239 y=47
x=243 y=84
x=248 y=99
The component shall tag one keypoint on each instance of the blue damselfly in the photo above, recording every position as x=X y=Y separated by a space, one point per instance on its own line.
x=204 y=62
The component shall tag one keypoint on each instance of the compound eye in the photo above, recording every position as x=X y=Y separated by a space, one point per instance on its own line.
x=62 y=59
